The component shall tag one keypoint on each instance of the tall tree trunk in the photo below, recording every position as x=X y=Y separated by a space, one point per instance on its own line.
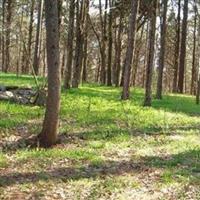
x=130 y=48
x=103 y=22
x=49 y=132
x=85 y=51
x=162 y=50
x=30 y=35
x=78 y=58
x=110 y=46
x=36 y=60
x=70 y=38
x=177 y=49
x=194 y=77
x=8 y=30
x=150 y=61
x=183 y=48
x=3 y=35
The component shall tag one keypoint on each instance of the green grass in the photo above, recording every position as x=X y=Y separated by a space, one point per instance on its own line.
x=110 y=149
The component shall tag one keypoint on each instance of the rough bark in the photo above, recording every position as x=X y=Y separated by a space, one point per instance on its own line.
x=162 y=51
x=183 y=48
x=110 y=46
x=130 y=48
x=78 y=58
x=8 y=31
x=150 y=60
x=194 y=77
x=48 y=136
x=177 y=48
x=30 y=35
x=37 y=40
x=70 y=38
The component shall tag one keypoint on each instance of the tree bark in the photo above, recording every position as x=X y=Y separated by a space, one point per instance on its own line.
x=150 y=61
x=162 y=51
x=130 y=48
x=8 y=30
x=70 y=38
x=48 y=136
x=37 y=40
x=30 y=35
x=110 y=46
x=183 y=48
x=177 y=48
x=194 y=77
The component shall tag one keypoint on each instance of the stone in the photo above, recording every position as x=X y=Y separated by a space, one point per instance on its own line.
x=2 y=88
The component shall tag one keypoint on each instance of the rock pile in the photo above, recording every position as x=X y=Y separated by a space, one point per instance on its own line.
x=22 y=95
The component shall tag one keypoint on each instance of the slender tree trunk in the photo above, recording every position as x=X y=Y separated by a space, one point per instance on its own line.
x=183 y=48
x=150 y=61
x=37 y=40
x=130 y=48
x=30 y=35
x=103 y=21
x=78 y=58
x=48 y=136
x=70 y=38
x=85 y=51
x=110 y=46
x=8 y=30
x=177 y=48
x=162 y=51
x=3 y=35
x=194 y=77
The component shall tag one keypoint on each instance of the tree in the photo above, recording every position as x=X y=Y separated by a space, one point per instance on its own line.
x=48 y=136
x=151 y=48
x=183 y=48
x=177 y=48
x=162 y=50
x=194 y=77
x=8 y=30
x=37 y=40
x=130 y=49
x=30 y=35
x=70 y=38
x=110 y=46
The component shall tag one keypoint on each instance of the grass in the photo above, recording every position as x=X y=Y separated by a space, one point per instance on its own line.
x=109 y=150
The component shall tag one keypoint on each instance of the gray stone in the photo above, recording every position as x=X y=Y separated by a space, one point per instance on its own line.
x=2 y=88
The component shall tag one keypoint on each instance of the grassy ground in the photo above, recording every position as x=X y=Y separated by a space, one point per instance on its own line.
x=108 y=150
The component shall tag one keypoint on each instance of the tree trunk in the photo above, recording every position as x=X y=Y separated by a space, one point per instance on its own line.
x=177 y=49
x=37 y=40
x=130 y=48
x=85 y=51
x=103 y=22
x=183 y=48
x=162 y=50
x=48 y=136
x=70 y=38
x=194 y=77
x=78 y=58
x=30 y=35
x=150 y=61
x=110 y=46
x=8 y=30
x=3 y=35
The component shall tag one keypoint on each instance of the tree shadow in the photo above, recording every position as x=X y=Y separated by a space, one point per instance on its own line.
x=185 y=164
x=106 y=168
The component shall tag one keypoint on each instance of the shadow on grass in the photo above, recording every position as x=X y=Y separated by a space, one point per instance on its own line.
x=185 y=165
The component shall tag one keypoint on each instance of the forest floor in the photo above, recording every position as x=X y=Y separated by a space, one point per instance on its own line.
x=109 y=149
